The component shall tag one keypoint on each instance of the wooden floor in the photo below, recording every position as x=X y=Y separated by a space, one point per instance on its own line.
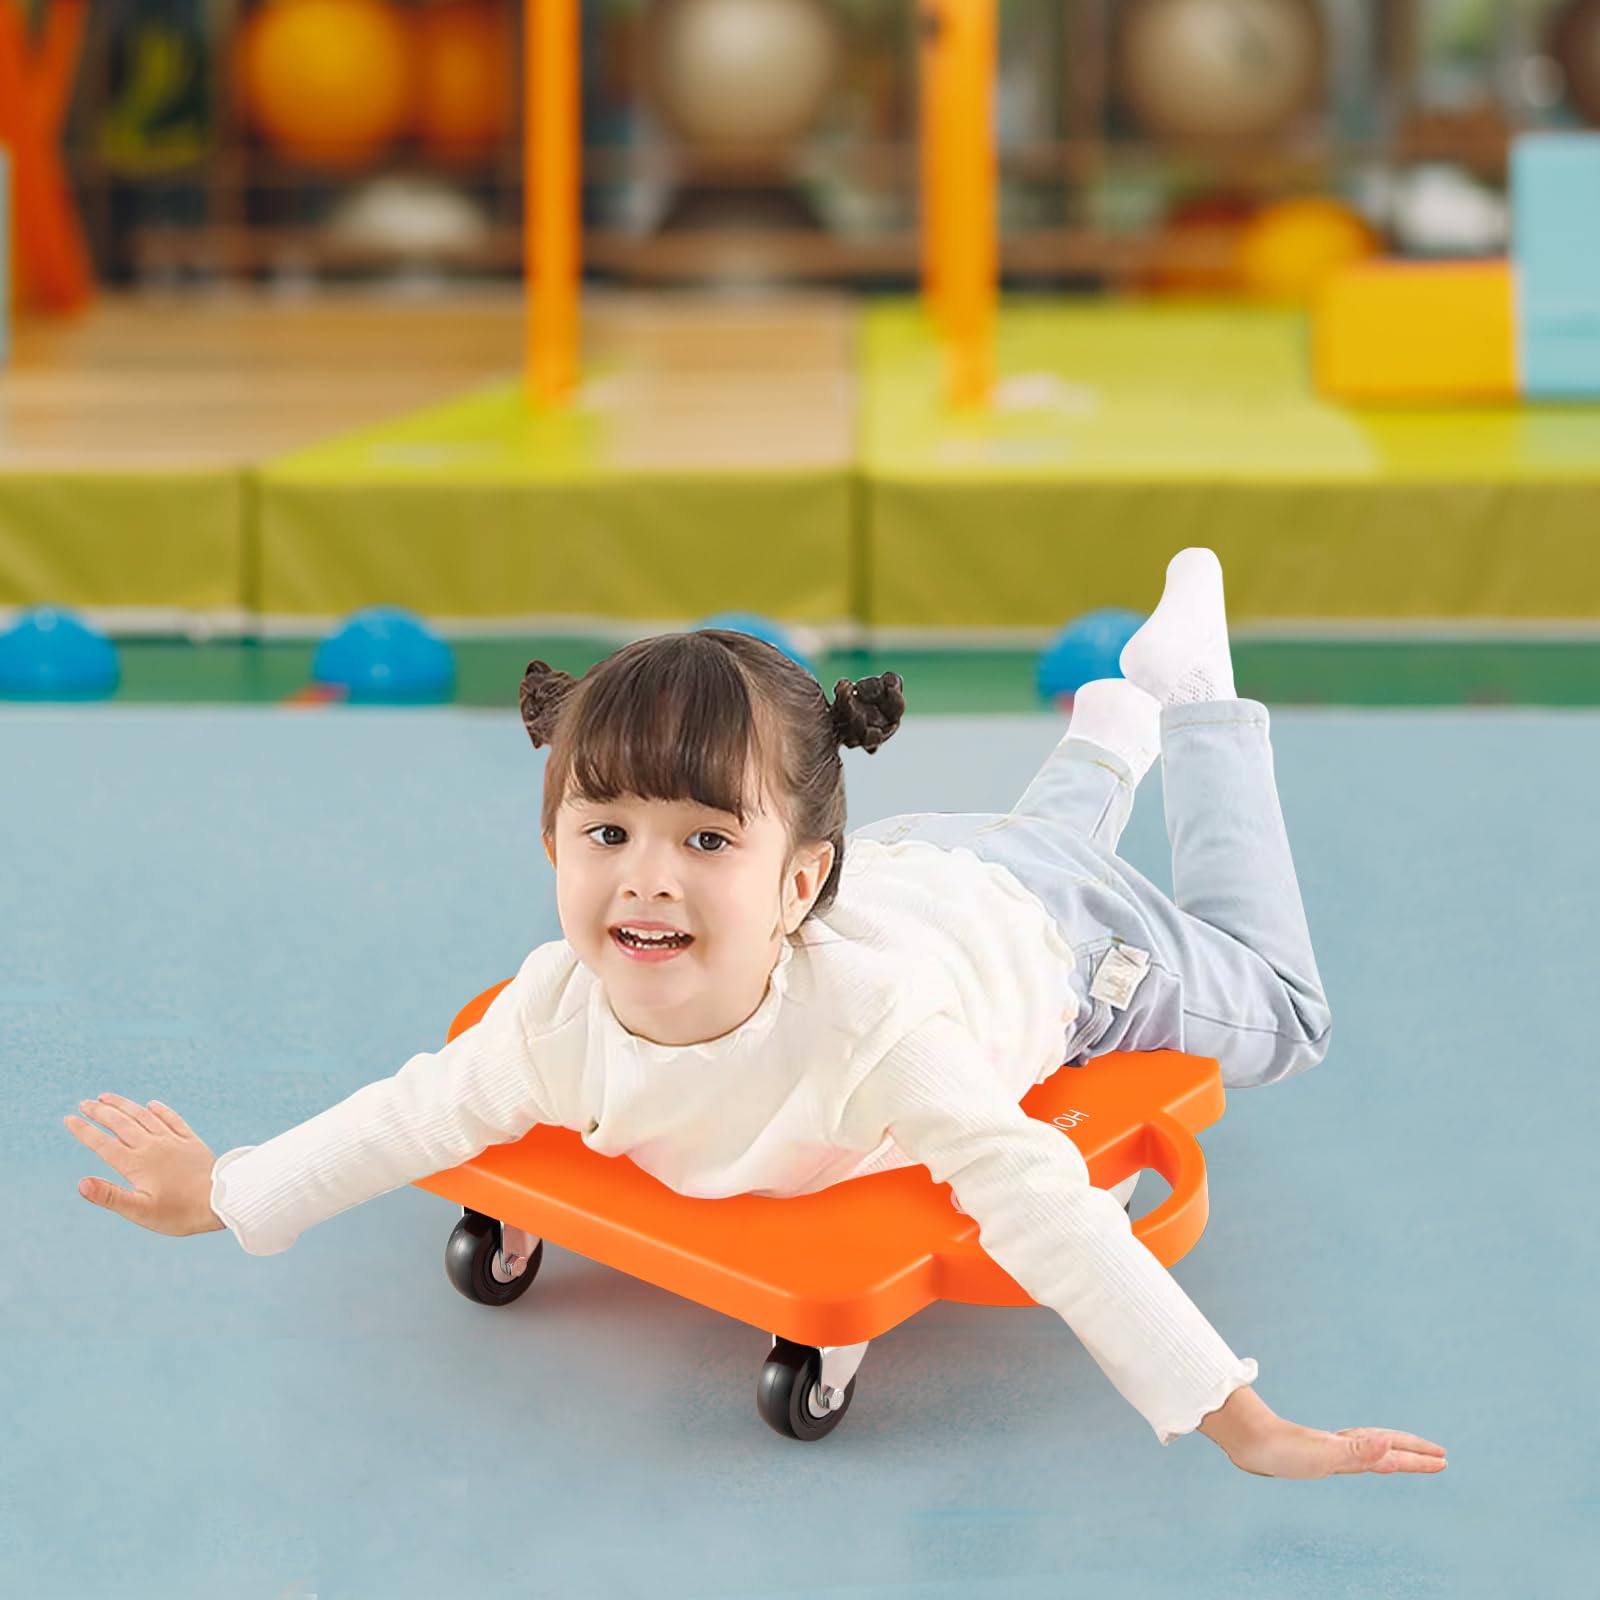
x=168 y=383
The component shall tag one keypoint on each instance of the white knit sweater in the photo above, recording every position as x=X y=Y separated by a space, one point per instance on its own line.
x=902 y=1025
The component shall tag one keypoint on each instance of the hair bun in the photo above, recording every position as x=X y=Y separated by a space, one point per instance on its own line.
x=867 y=712
x=543 y=690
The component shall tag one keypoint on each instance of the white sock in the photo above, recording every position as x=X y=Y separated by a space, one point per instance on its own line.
x=1120 y=717
x=1181 y=653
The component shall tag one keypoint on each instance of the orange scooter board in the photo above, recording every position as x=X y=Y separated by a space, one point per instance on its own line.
x=851 y=1262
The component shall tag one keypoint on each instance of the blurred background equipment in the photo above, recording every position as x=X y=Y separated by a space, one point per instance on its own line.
x=768 y=631
x=1197 y=251
x=156 y=112
x=1287 y=249
x=417 y=219
x=466 y=78
x=38 y=69
x=384 y=655
x=1417 y=332
x=393 y=171
x=737 y=84
x=1465 y=330
x=1218 y=70
x=741 y=78
x=1575 y=46
x=5 y=254
x=50 y=653
x=1439 y=210
x=776 y=141
x=1555 y=205
x=329 y=82
x=1087 y=648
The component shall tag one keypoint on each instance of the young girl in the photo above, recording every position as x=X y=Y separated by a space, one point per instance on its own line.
x=746 y=1002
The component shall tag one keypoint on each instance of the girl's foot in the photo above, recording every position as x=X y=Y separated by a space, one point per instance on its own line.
x=1181 y=653
x=1120 y=717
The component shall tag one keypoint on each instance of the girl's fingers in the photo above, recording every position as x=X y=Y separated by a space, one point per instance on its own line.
x=1384 y=1451
x=1397 y=1441
x=133 y=1111
x=112 y=1151
x=126 y=1130
x=1412 y=1441
x=112 y=1197
x=167 y=1115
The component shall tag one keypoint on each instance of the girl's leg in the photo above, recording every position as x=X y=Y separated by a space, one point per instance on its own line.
x=1235 y=930
x=1084 y=787
x=1087 y=782
x=1232 y=946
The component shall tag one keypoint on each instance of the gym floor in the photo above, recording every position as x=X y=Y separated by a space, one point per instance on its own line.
x=249 y=912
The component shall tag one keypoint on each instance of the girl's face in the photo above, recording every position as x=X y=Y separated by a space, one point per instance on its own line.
x=690 y=868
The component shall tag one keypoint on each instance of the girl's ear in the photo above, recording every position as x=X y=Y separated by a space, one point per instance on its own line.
x=550 y=848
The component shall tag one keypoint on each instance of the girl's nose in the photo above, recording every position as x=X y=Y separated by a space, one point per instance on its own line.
x=650 y=876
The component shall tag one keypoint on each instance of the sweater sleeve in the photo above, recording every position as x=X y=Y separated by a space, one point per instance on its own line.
x=440 y=1109
x=1067 y=1244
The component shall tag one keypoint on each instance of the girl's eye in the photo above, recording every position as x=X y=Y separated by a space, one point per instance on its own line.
x=700 y=833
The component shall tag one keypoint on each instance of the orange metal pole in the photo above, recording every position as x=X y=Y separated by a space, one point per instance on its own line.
x=35 y=84
x=56 y=63
x=551 y=215
x=931 y=114
x=969 y=257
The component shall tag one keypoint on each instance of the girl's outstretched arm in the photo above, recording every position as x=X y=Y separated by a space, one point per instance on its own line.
x=440 y=1109
x=167 y=1166
x=1072 y=1248
x=1255 y=1439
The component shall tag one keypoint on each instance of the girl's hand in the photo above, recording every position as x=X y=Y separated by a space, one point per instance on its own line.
x=163 y=1159
x=1287 y=1450
x=1256 y=1439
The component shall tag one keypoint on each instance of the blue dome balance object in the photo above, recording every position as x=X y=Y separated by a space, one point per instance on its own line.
x=386 y=656
x=1089 y=647
x=51 y=654
x=759 y=627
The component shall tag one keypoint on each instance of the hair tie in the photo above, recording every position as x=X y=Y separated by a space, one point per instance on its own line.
x=867 y=712
x=540 y=698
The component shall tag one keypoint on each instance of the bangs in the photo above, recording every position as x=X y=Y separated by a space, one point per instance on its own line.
x=670 y=724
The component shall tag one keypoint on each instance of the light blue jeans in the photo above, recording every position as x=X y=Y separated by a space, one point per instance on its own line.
x=1231 y=971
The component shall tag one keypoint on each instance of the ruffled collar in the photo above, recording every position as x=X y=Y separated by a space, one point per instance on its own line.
x=754 y=1028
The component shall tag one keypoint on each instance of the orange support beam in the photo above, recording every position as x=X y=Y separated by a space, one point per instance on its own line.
x=35 y=90
x=960 y=160
x=930 y=54
x=551 y=196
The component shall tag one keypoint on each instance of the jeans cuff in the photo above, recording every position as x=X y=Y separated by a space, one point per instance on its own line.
x=1210 y=713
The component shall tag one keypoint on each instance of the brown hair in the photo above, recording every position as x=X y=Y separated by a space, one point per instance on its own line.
x=681 y=715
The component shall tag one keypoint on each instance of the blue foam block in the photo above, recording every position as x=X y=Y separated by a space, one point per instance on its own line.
x=1555 y=244
x=384 y=655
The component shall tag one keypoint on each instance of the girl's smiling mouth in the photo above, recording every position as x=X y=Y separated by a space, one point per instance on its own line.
x=660 y=948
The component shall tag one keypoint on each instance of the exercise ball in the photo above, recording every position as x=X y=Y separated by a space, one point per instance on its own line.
x=1195 y=251
x=1089 y=647
x=740 y=71
x=763 y=628
x=385 y=656
x=466 y=87
x=52 y=654
x=328 y=81
x=410 y=219
x=1221 y=69
x=1288 y=248
x=1575 y=44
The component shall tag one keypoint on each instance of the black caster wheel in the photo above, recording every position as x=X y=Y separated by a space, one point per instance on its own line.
x=786 y=1393
x=469 y=1259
